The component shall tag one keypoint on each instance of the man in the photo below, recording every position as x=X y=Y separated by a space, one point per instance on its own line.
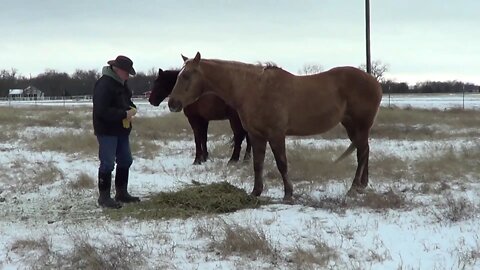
x=113 y=110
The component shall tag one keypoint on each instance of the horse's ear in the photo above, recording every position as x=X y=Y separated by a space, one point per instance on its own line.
x=160 y=71
x=184 y=58
x=197 y=58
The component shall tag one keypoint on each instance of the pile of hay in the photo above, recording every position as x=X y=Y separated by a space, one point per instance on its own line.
x=193 y=200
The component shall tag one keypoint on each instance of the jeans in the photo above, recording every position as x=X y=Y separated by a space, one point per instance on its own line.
x=114 y=149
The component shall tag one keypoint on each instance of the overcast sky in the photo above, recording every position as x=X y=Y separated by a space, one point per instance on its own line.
x=418 y=39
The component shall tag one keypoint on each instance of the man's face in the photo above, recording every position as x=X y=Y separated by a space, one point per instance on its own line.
x=124 y=75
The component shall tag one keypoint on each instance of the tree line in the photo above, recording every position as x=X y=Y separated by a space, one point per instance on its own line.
x=379 y=69
x=81 y=82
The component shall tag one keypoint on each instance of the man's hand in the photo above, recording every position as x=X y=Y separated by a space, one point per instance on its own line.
x=130 y=113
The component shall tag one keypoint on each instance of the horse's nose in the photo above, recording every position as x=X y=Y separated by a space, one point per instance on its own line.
x=174 y=105
x=153 y=101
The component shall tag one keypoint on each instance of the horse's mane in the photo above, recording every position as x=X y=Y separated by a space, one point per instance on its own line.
x=269 y=65
x=257 y=67
x=172 y=70
x=171 y=73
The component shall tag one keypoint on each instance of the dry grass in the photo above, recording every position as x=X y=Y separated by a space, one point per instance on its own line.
x=455 y=209
x=422 y=124
x=172 y=126
x=30 y=176
x=451 y=164
x=46 y=117
x=453 y=117
x=83 y=143
x=370 y=199
x=46 y=174
x=418 y=124
x=247 y=242
x=317 y=257
x=8 y=134
x=83 y=182
x=144 y=148
x=392 y=123
x=23 y=246
x=316 y=165
x=467 y=257
x=120 y=254
x=389 y=168
x=433 y=188
x=35 y=253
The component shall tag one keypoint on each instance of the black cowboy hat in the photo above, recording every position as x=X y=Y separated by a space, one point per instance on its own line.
x=124 y=63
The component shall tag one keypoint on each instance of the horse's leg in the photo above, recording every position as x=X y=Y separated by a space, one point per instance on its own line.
x=364 y=155
x=278 y=148
x=360 y=140
x=195 y=123
x=248 y=150
x=259 y=145
x=238 y=135
x=203 y=138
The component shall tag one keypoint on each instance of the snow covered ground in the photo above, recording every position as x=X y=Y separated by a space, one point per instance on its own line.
x=411 y=237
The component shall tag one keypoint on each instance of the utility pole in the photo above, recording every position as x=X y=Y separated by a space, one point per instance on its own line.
x=367 y=31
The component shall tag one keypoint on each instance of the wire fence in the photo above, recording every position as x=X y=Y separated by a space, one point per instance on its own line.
x=83 y=100
x=425 y=101
x=433 y=101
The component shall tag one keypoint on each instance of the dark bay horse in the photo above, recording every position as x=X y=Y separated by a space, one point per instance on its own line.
x=199 y=113
x=273 y=103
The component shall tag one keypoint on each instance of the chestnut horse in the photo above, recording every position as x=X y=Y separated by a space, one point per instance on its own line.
x=199 y=113
x=273 y=103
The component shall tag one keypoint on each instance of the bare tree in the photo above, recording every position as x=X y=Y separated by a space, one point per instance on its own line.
x=378 y=70
x=310 y=69
x=152 y=72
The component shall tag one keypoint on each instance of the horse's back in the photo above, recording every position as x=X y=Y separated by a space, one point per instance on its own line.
x=351 y=79
x=313 y=104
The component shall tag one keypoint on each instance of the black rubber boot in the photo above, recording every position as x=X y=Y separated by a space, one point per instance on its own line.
x=121 y=183
x=104 y=185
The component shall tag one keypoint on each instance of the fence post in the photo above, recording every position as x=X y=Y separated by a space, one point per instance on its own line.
x=463 y=99
x=389 y=94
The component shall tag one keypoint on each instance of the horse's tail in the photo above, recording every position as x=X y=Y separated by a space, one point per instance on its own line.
x=347 y=152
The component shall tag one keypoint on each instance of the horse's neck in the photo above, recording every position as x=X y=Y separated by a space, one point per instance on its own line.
x=225 y=81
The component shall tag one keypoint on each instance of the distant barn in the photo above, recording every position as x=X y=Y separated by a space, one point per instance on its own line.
x=29 y=93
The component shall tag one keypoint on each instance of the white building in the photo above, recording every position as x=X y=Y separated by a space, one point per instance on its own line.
x=29 y=93
x=15 y=94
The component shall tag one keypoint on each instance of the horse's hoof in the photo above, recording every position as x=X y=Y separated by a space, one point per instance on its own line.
x=352 y=192
x=197 y=162
x=356 y=190
x=288 y=199
x=232 y=162
x=256 y=193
